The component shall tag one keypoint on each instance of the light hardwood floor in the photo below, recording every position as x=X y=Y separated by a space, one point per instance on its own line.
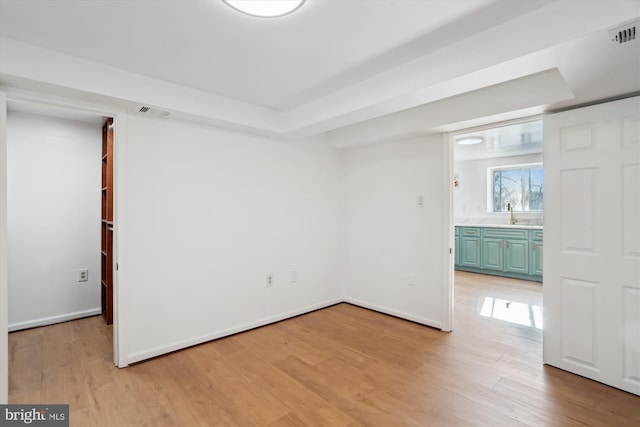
x=341 y=366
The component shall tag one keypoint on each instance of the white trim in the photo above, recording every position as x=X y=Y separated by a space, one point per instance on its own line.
x=119 y=149
x=158 y=351
x=45 y=321
x=448 y=237
x=515 y=166
x=4 y=277
x=497 y=124
x=21 y=95
x=395 y=313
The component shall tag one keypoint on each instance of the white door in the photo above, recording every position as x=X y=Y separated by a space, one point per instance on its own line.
x=592 y=242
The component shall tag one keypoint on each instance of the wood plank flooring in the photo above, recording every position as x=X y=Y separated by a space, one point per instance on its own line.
x=341 y=366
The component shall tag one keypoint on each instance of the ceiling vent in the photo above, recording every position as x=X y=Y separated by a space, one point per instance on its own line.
x=624 y=33
x=153 y=111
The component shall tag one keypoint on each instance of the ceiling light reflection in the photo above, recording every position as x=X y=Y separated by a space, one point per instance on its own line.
x=472 y=140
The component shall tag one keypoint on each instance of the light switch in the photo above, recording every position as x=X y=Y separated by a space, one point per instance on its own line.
x=420 y=201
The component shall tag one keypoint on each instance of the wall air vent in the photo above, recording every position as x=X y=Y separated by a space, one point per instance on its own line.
x=153 y=111
x=624 y=33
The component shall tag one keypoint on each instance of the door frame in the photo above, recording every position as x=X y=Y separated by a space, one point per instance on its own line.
x=120 y=132
x=4 y=276
x=448 y=220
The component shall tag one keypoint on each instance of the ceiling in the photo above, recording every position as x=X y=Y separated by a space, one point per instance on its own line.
x=276 y=63
x=329 y=66
x=514 y=139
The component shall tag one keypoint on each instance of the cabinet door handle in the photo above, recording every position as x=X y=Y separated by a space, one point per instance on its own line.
x=500 y=244
x=507 y=244
x=477 y=242
x=534 y=246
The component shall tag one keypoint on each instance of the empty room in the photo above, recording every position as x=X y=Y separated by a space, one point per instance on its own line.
x=320 y=212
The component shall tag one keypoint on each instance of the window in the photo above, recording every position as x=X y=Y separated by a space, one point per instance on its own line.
x=522 y=186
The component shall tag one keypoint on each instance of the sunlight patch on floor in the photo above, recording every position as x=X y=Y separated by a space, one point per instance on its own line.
x=513 y=312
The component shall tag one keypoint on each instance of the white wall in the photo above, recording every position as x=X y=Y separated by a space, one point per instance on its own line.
x=470 y=197
x=53 y=199
x=207 y=214
x=390 y=242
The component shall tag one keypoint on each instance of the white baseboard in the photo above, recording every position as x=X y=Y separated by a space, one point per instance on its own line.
x=148 y=354
x=395 y=313
x=44 y=321
x=158 y=351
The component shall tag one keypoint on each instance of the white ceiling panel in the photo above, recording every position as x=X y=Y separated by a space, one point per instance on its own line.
x=330 y=65
x=206 y=45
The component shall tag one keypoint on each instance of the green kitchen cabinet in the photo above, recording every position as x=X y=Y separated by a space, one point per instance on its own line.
x=511 y=256
x=536 y=253
x=503 y=251
x=470 y=247
x=516 y=256
x=492 y=254
x=506 y=250
x=457 y=246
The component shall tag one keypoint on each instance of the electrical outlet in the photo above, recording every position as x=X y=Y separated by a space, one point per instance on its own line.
x=420 y=201
x=83 y=275
x=269 y=280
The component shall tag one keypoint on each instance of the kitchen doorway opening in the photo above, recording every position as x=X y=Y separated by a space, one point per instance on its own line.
x=497 y=199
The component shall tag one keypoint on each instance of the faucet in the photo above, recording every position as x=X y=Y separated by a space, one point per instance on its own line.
x=512 y=219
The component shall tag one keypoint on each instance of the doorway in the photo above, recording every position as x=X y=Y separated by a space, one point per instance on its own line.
x=84 y=273
x=498 y=204
x=52 y=212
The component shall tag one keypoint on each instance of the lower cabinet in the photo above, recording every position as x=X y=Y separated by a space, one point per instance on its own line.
x=470 y=247
x=511 y=252
x=457 y=250
x=516 y=256
x=492 y=254
x=535 y=265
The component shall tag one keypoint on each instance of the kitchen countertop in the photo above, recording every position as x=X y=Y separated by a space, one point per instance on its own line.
x=524 y=226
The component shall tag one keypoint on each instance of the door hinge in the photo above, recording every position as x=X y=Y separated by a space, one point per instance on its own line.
x=450 y=251
x=116 y=266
